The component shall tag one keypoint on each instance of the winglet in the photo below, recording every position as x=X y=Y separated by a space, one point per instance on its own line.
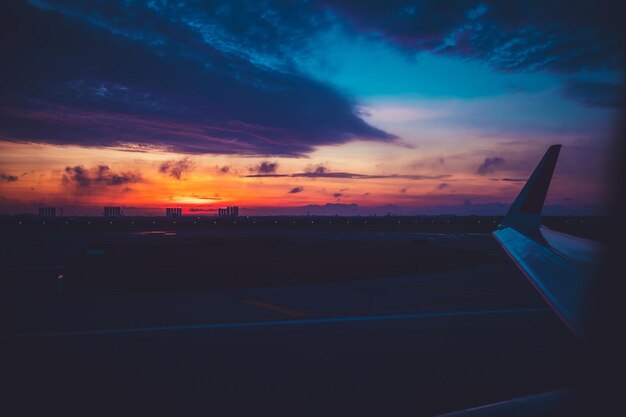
x=525 y=213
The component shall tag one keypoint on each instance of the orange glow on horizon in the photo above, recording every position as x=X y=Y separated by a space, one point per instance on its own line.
x=203 y=187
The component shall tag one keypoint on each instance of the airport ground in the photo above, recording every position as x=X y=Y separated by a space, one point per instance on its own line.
x=397 y=316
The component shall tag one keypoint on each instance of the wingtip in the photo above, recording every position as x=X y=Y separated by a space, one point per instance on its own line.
x=526 y=210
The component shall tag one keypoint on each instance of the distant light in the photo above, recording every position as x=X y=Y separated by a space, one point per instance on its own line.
x=20 y=222
x=43 y=222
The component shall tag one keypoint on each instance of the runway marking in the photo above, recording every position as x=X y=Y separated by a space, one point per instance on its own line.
x=453 y=291
x=273 y=307
x=327 y=320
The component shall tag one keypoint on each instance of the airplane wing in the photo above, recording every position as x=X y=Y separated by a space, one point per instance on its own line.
x=558 y=265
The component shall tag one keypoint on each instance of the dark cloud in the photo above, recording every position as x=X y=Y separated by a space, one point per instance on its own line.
x=265 y=168
x=296 y=190
x=316 y=169
x=513 y=35
x=198 y=77
x=101 y=175
x=403 y=190
x=4 y=177
x=348 y=175
x=595 y=94
x=176 y=168
x=490 y=165
x=509 y=179
x=337 y=195
x=443 y=185
x=223 y=169
x=267 y=176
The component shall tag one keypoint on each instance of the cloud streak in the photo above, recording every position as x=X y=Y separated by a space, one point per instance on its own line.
x=349 y=176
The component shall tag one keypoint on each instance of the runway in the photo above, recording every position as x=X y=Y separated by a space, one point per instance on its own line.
x=414 y=345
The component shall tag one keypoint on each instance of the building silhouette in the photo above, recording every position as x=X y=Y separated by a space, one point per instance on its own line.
x=50 y=212
x=111 y=211
x=173 y=212
x=230 y=211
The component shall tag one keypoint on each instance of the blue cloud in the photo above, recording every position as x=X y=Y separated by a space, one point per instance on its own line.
x=512 y=35
x=144 y=77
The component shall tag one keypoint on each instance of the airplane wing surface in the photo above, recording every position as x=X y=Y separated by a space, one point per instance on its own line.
x=558 y=265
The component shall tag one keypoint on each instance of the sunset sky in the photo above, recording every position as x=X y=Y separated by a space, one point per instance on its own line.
x=295 y=107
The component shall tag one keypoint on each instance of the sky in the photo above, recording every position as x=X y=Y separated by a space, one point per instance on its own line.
x=305 y=107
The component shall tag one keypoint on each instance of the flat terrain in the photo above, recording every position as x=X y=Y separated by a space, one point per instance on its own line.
x=273 y=320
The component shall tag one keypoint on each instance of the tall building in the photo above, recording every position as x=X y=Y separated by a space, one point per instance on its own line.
x=111 y=211
x=49 y=212
x=173 y=212
x=230 y=211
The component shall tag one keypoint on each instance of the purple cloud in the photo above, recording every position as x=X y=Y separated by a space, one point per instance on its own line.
x=101 y=175
x=490 y=165
x=176 y=169
x=4 y=177
x=265 y=168
x=173 y=86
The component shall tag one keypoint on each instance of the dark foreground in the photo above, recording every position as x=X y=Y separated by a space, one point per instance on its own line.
x=276 y=321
